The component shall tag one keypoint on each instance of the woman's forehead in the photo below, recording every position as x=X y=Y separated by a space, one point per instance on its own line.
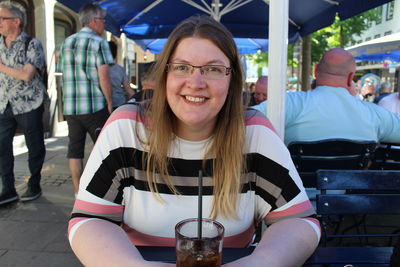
x=199 y=49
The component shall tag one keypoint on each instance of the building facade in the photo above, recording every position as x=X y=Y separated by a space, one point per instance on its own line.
x=383 y=35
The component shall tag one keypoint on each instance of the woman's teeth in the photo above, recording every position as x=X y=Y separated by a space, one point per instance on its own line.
x=195 y=99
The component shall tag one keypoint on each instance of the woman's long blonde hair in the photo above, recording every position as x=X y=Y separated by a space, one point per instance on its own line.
x=228 y=138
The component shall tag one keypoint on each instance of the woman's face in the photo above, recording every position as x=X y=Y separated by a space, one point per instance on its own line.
x=194 y=98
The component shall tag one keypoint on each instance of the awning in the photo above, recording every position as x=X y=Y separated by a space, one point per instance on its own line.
x=379 y=49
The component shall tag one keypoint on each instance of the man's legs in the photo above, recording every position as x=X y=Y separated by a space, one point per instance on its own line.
x=32 y=125
x=76 y=148
x=95 y=122
x=76 y=169
x=8 y=126
x=78 y=126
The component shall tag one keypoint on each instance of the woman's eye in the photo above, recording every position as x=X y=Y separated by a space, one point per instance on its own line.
x=213 y=69
x=181 y=67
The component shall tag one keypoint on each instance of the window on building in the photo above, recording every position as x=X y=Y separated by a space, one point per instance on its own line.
x=389 y=10
x=377 y=36
x=368 y=38
x=379 y=10
x=387 y=33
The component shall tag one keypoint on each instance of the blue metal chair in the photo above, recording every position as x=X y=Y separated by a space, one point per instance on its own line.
x=368 y=192
x=329 y=154
x=386 y=157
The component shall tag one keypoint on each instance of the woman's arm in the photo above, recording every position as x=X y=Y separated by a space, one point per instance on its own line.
x=286 y=243
x=102 y=243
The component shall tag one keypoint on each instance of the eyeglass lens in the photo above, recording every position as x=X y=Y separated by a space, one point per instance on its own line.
x=208 y=71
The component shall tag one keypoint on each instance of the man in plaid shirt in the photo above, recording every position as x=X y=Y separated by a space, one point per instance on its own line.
x=84 y=59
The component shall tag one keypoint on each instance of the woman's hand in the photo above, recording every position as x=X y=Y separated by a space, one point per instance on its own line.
x=294 y=235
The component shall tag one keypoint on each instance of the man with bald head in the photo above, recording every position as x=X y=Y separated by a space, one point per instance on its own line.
x=261 y=90
x=331 y=111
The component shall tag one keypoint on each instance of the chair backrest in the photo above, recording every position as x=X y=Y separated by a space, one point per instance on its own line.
x=368 y=192
x=329 y=154
x=386 y=157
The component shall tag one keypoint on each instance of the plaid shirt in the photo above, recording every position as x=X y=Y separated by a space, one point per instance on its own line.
x=80 y=56
x=22 y=96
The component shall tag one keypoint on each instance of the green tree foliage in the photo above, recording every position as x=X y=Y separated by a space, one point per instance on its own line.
x=342 y=33
x=339 y=34
x=260 y=60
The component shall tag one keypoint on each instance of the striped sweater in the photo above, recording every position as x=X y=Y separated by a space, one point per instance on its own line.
x=113 y=186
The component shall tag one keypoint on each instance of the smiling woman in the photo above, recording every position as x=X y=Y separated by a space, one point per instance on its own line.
x=142 y=176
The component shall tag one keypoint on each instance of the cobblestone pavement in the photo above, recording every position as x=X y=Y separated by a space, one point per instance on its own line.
x=35 y=233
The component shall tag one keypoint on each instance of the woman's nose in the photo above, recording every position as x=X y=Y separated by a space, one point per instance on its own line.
x=196 y=79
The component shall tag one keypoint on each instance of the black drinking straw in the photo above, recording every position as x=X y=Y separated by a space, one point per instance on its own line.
x=200 y=205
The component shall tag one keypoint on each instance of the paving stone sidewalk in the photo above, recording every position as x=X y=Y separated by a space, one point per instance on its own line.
x=34 y=233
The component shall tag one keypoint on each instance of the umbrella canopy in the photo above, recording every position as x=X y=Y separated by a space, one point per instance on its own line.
x=245 y=45
x=380 y=49
x=152 y=20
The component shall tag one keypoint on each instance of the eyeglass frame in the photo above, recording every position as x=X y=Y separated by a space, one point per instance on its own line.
x=7 y=18
x=228 y=70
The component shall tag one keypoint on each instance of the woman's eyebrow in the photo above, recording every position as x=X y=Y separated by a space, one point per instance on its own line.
x=210 y=62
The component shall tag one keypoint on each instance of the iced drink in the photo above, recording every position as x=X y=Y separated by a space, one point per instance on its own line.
x=194 y=252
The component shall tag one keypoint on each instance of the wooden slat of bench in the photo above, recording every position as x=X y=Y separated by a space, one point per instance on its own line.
x=358 y=179
x=358 y=204
x=351 y=255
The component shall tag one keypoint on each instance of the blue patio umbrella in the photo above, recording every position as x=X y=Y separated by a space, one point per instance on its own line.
x=245 y=45
x=246 y=19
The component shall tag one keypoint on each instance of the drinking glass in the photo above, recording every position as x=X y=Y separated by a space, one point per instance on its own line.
x=192 y=251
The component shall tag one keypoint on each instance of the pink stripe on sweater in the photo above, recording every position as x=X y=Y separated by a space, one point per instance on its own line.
x=74 y=221
x=97 y=208
x=295 y=209
x=259 y=120
x=140 y=239
x=123 y=114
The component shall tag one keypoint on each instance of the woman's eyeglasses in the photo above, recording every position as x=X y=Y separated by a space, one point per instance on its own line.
x=212 y=72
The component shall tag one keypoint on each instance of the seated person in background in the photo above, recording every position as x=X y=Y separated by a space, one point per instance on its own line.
x=148 y=85
x=143 y=170
x=121 y=89
x=248 y=95
x=330 y=110
x=368 y=92
x=384 y=90
x=261 y=90
x=391 y=102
